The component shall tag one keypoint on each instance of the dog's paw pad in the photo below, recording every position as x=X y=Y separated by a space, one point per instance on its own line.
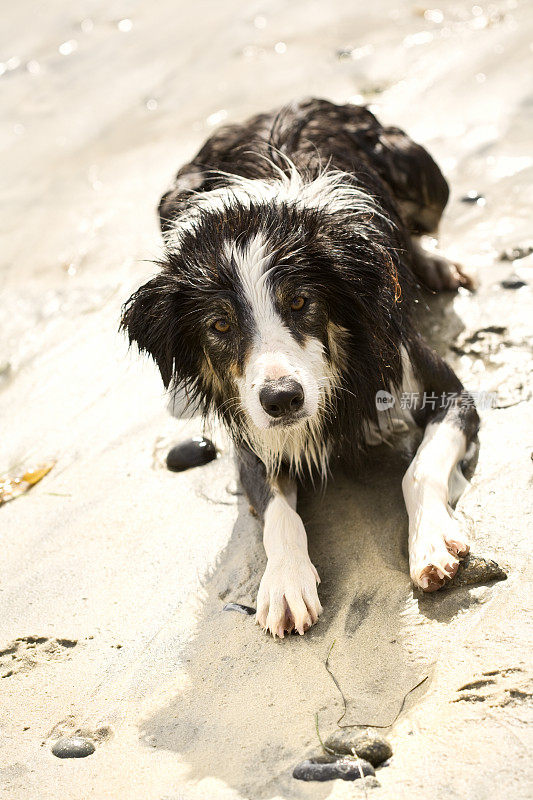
x=440 y=274
x=433 y=577
x=434 y=569
x=288 y=599
x=457 y=547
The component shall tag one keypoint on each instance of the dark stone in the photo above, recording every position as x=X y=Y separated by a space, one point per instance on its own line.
x=328 y=768
x=515 y=253
x=248 y=610
x=191 y=453
x=513 y=282
x=472 y=197
x=474 y=569
x=371 y=746
x=73 y=747
x=498 y=329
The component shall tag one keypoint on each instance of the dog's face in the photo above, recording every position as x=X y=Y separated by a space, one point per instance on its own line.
x=280 y=326
x=240 y=316
x=256 y=312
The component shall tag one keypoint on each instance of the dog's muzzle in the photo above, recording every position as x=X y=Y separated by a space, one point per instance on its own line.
x=282 y=398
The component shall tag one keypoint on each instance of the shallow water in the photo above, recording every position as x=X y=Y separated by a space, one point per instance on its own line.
x=102 y=102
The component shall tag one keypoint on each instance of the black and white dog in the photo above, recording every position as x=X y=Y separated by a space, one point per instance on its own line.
x=284 y=305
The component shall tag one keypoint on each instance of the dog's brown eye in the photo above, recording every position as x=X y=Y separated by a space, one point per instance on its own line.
x=297 y=303
x=221 y=325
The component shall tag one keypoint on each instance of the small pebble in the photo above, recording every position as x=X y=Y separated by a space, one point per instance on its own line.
x=234 y=488
x=248 y=610
x=328 y=768
x=474 y=569
x=513 y=281
x=473 y=197
x=514 y=253
x=73 y=747
x=370 y=746
x=192 y=453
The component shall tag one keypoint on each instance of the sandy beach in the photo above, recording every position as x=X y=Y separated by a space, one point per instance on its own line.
x=115 y=571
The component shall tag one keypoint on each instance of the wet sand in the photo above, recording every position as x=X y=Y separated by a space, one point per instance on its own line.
x=115 y=571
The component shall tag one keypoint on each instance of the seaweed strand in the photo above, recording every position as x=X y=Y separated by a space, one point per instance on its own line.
x=365 y=724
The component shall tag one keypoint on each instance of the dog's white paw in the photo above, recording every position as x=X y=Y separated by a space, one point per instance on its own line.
x=435 y=553
x=288 y=597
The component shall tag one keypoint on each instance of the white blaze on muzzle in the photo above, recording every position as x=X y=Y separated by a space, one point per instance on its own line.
x=288 y=364
x=275 y=355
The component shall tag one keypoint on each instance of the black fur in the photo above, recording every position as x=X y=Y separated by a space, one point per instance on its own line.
x=314 y=134
x=254 y=479
x=358 y=269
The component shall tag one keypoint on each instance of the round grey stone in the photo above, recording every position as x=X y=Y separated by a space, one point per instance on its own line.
x=513 y=281
x=73 y=747
x=472 y=196
x=326 y=768
x=371 y=746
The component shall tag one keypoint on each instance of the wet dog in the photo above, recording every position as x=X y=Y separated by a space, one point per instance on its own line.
x=284 y=306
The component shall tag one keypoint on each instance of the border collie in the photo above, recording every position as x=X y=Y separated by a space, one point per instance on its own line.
x=284 y=306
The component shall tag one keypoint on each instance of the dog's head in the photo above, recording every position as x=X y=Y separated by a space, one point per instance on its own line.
x=261 y=308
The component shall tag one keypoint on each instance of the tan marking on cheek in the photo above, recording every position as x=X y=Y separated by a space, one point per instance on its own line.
x=222 y=390
x=337 y=340
x=241 y=370
x=235 y=370
x=209 y=375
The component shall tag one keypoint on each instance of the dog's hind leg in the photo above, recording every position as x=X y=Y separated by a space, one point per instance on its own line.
x=419 y=189
x=287 y=599
x=436 y=271
x=435 y=539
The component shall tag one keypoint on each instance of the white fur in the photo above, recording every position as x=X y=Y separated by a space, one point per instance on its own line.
x=276 y=354
x=287 y=595
x=331 y=191
x=435 y=539
x=431 y=483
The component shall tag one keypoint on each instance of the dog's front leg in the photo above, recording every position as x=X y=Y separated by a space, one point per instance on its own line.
x=287 y=599
x=435 y=539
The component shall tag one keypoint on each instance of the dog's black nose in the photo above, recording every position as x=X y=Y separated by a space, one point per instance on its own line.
x=282 y=397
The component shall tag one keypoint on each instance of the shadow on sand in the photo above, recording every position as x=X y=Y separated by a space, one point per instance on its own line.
x=246 y=714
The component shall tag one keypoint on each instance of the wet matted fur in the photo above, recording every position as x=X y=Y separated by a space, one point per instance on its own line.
x=283 y=305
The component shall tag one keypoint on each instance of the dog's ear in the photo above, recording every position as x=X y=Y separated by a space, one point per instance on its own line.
x=151 y=319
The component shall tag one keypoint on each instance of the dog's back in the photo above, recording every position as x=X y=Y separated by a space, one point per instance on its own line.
x=316 y=135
